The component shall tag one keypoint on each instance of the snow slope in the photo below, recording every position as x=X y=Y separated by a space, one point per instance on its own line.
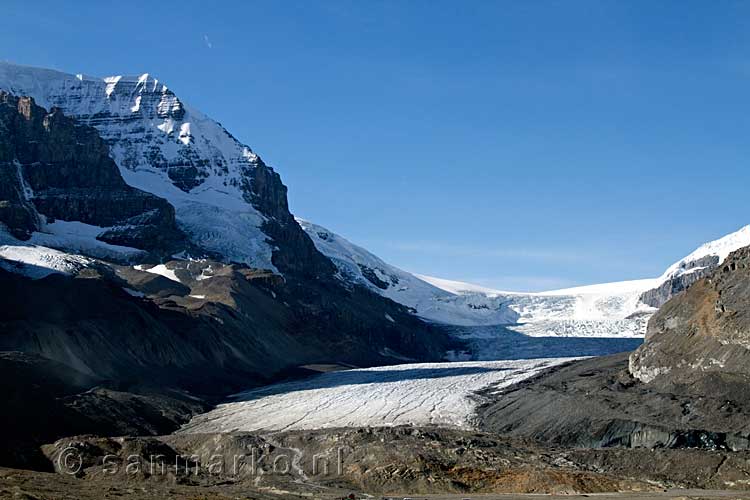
x=358 y=266
x=36 y=261
x=591 y=302
x=720 y=248
x=418 y=394
x=164 y=147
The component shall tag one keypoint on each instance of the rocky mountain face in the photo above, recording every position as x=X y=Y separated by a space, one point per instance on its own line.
x=226 y=199
x=60 y=169
x=702 y=334
x=56 y=169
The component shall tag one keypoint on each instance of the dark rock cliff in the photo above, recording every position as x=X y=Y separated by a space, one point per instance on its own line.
x=700 y=268
x=62 y=170
x=295 y=252
x=596 y=403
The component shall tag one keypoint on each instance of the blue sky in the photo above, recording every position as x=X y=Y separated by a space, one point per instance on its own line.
x=521 y=145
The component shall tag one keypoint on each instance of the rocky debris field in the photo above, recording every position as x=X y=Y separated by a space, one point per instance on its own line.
x=597 y=403
x=398 y=461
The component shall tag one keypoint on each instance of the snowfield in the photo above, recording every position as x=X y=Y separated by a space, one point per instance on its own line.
x=418 y=394
x=603 y=310
x=36 y=261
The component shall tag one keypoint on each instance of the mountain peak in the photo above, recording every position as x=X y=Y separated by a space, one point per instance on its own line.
x=166 y=148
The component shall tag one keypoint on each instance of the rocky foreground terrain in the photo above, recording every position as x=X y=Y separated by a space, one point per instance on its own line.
x=384 y=461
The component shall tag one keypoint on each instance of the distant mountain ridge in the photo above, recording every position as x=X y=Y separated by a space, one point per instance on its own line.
x=603 y=310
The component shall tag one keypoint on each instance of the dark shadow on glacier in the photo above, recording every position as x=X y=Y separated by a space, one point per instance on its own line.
x=360 y=377
x=501 y=343
x=487 y=343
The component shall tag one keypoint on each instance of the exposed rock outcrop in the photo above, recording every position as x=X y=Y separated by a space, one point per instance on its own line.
x=391 y=462
x=692 y=272
x=596 y=403
x=702 y=337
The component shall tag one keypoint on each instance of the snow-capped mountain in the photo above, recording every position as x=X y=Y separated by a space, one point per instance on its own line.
x=231 y=206
x=166 y=148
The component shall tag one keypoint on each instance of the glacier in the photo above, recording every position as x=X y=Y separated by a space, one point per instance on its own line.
x=441 y=394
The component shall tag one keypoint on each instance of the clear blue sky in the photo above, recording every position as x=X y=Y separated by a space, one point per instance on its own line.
x=522 y=145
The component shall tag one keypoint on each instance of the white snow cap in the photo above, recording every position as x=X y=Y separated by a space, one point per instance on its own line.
x=720 y=248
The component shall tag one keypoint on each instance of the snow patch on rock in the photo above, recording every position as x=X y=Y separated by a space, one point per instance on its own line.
x=161 y=270
x=79 y=237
